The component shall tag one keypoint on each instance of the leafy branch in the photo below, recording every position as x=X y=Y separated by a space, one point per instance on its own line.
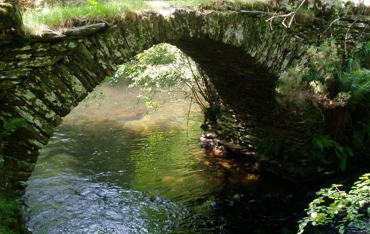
x=164 y=68
x=347 y=209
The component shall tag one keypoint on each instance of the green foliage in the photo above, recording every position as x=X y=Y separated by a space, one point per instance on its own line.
x=339 y=88
x=268 y=147
x=291 y=91
x=11 y=125
x=155 y=70
x=163 y=68
x=324 y=145
x=95 y=97
x=19 y=163
x=365 y=55
x=357 y=84
x=10 y=210
x=219 y=4
x=346 y=210
x=312 y=84
x=98 y=7
x=10 y=205
x=360 y=134
x=92 y=2
x=338 y=8
x=306 y=11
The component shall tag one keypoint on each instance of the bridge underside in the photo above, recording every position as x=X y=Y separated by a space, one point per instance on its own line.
x=242 y=83
x=247 y=91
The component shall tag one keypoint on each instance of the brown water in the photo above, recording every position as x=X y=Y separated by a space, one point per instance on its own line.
x=115 y=170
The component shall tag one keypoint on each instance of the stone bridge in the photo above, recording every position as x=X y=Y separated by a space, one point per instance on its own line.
x=43 y=77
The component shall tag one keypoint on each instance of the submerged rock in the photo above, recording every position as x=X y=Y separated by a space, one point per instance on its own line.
x=213 y=145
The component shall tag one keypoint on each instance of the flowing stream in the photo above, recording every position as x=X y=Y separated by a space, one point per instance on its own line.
x=116 y=170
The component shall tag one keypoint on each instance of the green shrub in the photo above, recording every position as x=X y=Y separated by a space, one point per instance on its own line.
x=347 y=210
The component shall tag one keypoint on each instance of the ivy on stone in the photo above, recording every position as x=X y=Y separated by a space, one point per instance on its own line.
x=13 y=124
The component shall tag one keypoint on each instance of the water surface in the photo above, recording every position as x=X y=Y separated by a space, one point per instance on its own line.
x=116 y=170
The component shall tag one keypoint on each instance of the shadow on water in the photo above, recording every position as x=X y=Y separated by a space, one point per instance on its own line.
x=119 y=171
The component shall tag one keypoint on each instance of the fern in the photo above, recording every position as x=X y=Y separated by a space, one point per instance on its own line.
x=342 y=153
x=361 y=94
x=323 y=143
x=268 y=147
x=365 y=128
x=320 y=144
x=360 y=134
x=317 y=155
x=354 y=63
x=13 y=124
x=311 y=75
x=357 y=139
x=357 y=84
x=365 y=54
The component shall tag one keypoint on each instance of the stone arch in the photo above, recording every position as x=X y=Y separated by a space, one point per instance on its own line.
x=43 y=78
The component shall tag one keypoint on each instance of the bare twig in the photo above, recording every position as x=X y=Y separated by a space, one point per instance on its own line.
x=363 y=30
x=330 y=27
x=285 y=16
x=271 y=19
x=346 y=37
x=187 y=119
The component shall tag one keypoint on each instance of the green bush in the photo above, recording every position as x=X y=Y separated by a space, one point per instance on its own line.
x=347 y=210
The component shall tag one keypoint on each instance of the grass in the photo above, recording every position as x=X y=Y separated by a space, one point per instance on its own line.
x=67 y=15
x=60 y=14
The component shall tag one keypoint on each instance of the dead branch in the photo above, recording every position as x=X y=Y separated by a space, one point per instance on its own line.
x=346 y=37
x=285 y=16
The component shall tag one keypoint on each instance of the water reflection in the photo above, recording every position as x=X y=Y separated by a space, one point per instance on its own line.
x=114 y=170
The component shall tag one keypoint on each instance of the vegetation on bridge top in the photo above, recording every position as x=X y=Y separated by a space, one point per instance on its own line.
x=61 y=13
x=54 y=15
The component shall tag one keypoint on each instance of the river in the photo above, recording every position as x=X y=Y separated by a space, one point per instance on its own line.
x=111 y=169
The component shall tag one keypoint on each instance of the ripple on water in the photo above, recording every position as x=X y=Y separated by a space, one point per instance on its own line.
x=85 y=204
